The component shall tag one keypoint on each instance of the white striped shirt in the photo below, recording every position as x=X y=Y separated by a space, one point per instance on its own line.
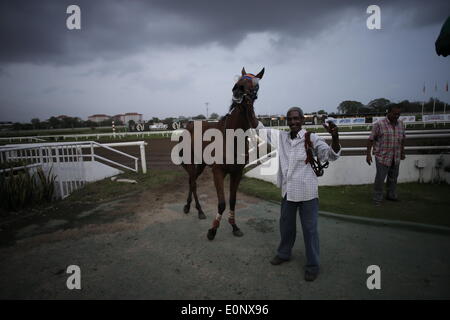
x=296 y=178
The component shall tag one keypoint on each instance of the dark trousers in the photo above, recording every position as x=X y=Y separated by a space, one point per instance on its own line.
x=391 y=182
x=308 y=211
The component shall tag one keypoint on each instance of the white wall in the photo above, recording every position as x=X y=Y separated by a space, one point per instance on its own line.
x=97 y=171
x=352 y=170
x=88 y=171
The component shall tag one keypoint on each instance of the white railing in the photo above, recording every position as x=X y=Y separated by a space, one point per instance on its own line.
x=67 y=159
x=413 y=134
x=92 y=145
x=117 y=135
x=408 y=136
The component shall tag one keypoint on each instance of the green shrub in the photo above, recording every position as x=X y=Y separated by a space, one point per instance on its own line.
x=20 y=189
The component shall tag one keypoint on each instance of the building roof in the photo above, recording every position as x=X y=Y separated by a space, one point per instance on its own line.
x=99 y=115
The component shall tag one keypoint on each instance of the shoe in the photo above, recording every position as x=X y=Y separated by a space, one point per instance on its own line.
x=277 y=260
x=309 y=276
x=392 y=199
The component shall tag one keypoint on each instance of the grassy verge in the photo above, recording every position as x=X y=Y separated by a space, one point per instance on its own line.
x=105 y=190
x=420 y=203
x=101 y=191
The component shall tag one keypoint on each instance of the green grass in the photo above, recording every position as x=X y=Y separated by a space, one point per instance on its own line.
x=420 y=203
x=105 y=190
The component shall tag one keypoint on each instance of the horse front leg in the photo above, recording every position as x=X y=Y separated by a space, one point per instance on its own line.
x=219 y=176
x=235 y=179
x=189 y=170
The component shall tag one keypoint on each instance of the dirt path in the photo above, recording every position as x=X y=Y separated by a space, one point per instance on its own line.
x=144 y=247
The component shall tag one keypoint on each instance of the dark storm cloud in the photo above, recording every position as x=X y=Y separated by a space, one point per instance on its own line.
x=35 y=31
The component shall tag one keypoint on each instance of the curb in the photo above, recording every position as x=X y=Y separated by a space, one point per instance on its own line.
x=389 y=223
x=383 y=222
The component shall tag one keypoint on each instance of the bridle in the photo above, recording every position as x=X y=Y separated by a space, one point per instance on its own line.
x=249 y=94
x=248 y=98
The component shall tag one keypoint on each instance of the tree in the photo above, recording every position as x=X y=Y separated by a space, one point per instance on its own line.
x=378 y=105
x=214 y=116
x=36 y=123
x=349 y=107
x=106 y=123
x=168 y=121
x=17 y=126
x=199 y=117
x=54 y=123
x=91 y=124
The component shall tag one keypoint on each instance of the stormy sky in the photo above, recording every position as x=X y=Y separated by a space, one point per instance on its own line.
x=169 y=58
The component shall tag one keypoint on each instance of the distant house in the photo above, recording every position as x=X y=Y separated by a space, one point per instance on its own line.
x=119 y=117
x=125 y=118
x=99 y=118
x=136 y=117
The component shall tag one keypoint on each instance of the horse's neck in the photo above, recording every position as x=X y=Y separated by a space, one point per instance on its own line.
x=236 y=120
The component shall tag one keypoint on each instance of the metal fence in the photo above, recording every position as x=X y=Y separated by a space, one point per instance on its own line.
x=65 y=160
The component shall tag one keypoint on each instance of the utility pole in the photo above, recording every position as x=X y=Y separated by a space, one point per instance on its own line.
x=207 y=116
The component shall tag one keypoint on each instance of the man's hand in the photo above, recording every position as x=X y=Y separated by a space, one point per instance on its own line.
x=402 y=156
x=369 y=159
x=332 y=129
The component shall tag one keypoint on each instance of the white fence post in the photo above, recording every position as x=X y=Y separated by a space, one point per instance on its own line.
x=143 y=161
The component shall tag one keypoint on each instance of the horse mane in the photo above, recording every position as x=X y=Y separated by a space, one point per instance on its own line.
x=233 y=104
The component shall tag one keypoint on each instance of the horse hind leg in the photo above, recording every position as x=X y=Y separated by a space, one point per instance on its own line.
x=218 y=182
x=199 y=170
x=189 y=170
x=234 y=183
x=187 y=207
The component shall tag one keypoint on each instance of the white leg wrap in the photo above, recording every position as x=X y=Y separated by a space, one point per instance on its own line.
x=231 y=215
x=218 y=217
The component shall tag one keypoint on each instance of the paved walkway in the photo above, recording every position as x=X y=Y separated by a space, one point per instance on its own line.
x=142 y=248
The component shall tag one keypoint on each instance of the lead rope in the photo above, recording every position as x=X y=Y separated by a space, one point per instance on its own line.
x=315 y=163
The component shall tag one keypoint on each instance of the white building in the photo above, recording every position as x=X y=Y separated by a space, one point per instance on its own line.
x=99 y=118
x=136 y=117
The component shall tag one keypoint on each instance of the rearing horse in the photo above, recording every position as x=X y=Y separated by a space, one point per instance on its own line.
x=240 y=116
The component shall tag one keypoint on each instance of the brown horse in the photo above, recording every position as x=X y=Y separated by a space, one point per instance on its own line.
x=240 y=116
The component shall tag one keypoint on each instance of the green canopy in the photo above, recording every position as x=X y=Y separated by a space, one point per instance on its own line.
x=443 y=41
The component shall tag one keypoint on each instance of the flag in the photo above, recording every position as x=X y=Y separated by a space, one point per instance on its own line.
x=435 y=86
x=446 y=86
x=423 y=88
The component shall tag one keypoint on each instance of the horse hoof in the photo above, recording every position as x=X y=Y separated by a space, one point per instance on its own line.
x=211 y=234
x=201 y=215
x=186 y=209
x=238 y=233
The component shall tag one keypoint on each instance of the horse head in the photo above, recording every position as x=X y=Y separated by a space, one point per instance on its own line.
x=245 y=92
x=246 y=88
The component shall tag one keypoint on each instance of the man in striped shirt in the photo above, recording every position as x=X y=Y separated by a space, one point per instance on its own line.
x=387 y=139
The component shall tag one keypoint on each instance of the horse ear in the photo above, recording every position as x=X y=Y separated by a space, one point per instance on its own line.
x=260 y=75
x=243 y=71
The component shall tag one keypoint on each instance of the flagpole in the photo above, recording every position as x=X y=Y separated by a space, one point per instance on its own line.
x=446 y=90
x=434 y=99
x=423 y=103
